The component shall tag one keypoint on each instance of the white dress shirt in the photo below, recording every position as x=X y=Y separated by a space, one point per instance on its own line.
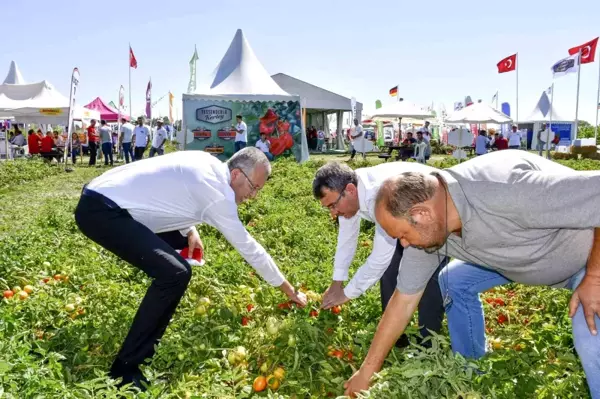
x=141 y=134
x=514 y=138
x=193 y=187
x=369 y=181
x=244 y=135
x=358 y=142
x=159 y=136
x=263 y=146
x=127 y=132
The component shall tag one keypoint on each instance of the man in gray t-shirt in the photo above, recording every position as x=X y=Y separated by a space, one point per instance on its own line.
x=508 y=216
x=106 y=140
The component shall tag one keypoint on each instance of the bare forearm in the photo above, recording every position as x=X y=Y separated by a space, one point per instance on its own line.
x=393 y=323
x=593 y=264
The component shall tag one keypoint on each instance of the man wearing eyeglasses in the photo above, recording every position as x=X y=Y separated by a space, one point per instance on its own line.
x=144 y=212
x=351 y=195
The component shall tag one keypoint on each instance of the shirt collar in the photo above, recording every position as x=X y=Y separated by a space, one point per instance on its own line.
x=458 y=197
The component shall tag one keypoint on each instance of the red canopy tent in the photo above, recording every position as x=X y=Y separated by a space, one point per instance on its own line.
x=107 y=112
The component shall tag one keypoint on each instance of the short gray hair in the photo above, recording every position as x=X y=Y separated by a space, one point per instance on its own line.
x=247 y=159
x=399 y=194
x=333 y=176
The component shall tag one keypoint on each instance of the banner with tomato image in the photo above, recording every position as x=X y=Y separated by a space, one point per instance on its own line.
x=210 y=126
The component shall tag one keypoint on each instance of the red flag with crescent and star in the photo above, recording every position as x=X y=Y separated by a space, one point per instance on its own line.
x=508 y=64
x=588 y=51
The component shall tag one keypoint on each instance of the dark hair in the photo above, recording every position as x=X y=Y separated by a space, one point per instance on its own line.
x=334 y=176
x=31 y=131
x=239 y=116
x=123 y=120
x=103 y=122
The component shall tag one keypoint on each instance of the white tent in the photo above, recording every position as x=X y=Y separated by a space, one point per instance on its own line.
x=478 y=113
x=401 y=109
x=541 y=114
x=14 y=76
x=39 y=103
x=240 y=76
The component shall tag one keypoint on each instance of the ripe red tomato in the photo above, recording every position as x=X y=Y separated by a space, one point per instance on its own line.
x=499 y=302
x=57 y=277
x=489 y=300
x=502 y=319
x=249 y=307
x=338 y=353
x=259 y=384
x=349 y=356
x=245 y=320
x=8 y=294
x=46 y=279
x=285 y=306
x=336 y=309
x=314 y=313
x=526 y=321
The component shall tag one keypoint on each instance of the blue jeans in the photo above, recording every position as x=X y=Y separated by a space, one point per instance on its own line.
x=108 y=153
x=269 y=156
x=238 y=145
x=128 y=151
x=74 y=155
x=464 y=281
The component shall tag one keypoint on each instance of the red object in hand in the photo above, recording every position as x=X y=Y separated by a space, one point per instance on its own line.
x=285 y=306
x=197 y=255
x=336 y=309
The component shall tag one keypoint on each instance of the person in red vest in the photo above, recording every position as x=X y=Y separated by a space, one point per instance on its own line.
x=500 y=143
x=33 y=142
x=48 y=149
x=92 y=142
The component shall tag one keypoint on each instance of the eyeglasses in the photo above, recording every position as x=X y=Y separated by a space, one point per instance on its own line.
x=334 y=204
x=254 y=188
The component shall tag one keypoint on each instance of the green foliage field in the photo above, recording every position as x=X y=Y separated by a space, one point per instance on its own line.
x=48 y=350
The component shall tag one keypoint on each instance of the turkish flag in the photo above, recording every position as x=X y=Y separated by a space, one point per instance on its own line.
x=508 y=64
x=132 y=60
x=588 y=51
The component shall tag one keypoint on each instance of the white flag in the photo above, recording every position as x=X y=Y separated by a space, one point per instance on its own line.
x=70 y=130
x=549 y=91
x=566 y=66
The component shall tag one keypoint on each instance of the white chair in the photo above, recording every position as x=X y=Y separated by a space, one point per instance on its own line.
x=420 y=149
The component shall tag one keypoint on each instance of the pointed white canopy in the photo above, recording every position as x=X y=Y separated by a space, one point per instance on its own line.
x=14 y=76
x=541 y=112
x=401 y=109
x=478 y=113
x=240 y=76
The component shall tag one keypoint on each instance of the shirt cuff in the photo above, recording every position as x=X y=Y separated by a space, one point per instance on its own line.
x=185 y=232
x=351 y=291
x=340 y=275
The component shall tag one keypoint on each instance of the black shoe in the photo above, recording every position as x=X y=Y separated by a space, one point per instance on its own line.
x=403 y=341
x=129 y=374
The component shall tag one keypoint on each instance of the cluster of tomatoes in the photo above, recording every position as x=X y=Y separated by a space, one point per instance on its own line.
x=273 y=381
x=21 y=293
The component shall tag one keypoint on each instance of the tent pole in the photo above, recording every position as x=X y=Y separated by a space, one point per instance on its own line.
x=577 y=100
x=549 y=127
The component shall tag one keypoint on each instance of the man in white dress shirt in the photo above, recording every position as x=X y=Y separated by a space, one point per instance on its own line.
x=141 y=134
x=241 y=137
x=351 y=195
x=514 y=138
x=158 y=140
x=144 y=212
x=264 y=145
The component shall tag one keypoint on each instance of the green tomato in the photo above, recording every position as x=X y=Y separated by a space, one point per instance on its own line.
x=70 y=307
x=181 y=357
x=264 y=368
x=204 y=301
x=201 y=310
x=232 y=358
x=291 y=341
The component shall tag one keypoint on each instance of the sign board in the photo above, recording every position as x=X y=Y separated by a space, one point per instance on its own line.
x=51 y=111
x=213 y=114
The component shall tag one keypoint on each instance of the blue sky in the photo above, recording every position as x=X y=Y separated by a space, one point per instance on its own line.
x=434 y=50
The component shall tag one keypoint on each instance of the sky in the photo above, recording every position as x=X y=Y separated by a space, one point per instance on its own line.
x=435 y=51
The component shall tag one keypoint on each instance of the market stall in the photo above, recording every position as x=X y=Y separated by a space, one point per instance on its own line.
x=107 y=113
x=240 y=85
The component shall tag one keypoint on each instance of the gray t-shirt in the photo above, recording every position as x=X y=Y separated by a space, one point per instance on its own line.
x=528 y=218
x=105 y=134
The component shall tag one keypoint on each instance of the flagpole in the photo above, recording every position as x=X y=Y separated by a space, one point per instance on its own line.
x=549 y=127
x=129 y=61
x=517 y=61
x=496 y=100
x=597 y=101
x=577 y=100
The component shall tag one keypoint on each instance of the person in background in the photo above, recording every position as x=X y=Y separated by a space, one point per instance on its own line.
x=17 y=142
x=140 y=139
x=48 y=149
x=126 y=137
x=158 y=139
x=541 y=137
x=421 y=139
x=500 y=142
x=265 y=146
x=241 y=135
x=115 y=141
x=75 y=147
x=514 y=138
x=409 y=140
x=92 y=138
x=358 y=140
x=349 y=195
x=85 y=149
x=59 y=143
x=427 y=138
x=320 y=139
x=33 y=142
x=123 y=211
x=106 y=139
x=481 y=143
